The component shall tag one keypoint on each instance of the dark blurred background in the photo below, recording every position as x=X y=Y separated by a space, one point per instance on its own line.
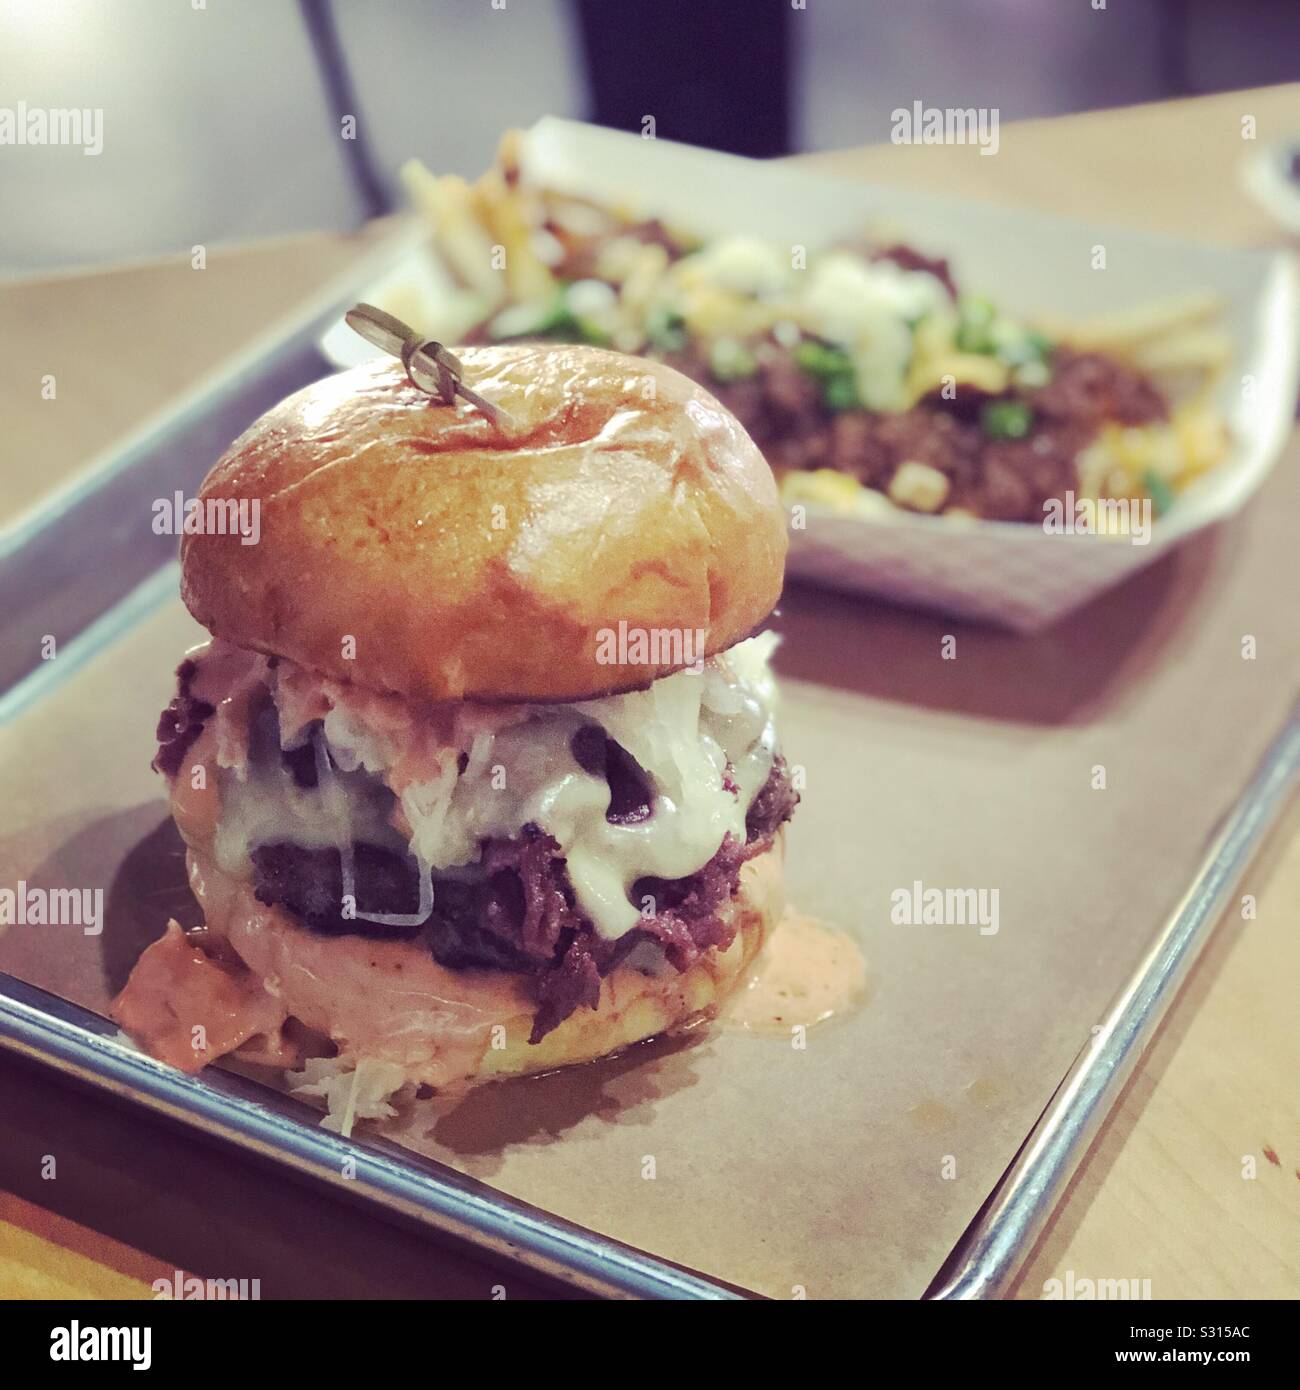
x=221 y=117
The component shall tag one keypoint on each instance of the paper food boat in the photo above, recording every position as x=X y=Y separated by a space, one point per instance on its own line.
x=1015 y=575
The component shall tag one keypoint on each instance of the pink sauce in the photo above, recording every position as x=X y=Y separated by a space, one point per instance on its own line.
x=808 y=973
x=385 y=1000
x=187 y=1009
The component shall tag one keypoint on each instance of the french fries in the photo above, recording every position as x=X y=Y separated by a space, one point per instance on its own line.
x=447 y=203
x=1125 y=329
x=502 y=235
x=1173 y=339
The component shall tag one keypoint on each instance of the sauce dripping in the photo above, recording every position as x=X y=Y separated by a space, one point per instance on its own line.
x=808 y=973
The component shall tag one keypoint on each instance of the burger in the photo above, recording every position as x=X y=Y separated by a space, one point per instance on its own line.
x=477 y=774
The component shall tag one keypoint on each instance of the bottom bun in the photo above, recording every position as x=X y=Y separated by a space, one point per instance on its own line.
x=634 y=1006
x=391 y=1010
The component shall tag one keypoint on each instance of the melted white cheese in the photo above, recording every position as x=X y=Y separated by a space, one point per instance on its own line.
x=519 y=768
x=868 y=307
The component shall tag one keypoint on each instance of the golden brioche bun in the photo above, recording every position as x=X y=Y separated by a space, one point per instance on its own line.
x=470 y=564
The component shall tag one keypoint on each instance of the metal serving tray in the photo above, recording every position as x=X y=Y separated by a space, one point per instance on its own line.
x=41 y=570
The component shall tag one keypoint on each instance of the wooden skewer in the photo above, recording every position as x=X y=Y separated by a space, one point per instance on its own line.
x=430 y=367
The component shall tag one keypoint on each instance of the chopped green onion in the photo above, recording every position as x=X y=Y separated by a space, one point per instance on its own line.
x=548 y=318
x=585 y=331
x=731 y=361
x=833 y=369
x=1006 y=419
x=1022 y=349
x=665 y=328
x=841 y=393
x=975 y=318
x=822 y=360
x=1162 y=495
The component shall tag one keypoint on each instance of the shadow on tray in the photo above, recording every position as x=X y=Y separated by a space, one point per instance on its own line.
x=1072 y=673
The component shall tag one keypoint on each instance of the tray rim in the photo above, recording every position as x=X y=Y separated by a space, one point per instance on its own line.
x=78 y=1043
x=990 y=1252
x=981 y=1265
x=302 y=322
x=227 y=1107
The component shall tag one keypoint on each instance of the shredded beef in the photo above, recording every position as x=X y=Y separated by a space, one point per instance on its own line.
x=181 y=722
x=519 y=912
x=573 y=984
x=1088 y=389
x=516 y=909
x=780 y=405
x=514 y=916
x=782 y=409
x=773 y=806
x=1018 y=476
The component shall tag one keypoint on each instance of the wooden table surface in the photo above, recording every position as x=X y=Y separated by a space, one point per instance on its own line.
x=1160 y=1196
